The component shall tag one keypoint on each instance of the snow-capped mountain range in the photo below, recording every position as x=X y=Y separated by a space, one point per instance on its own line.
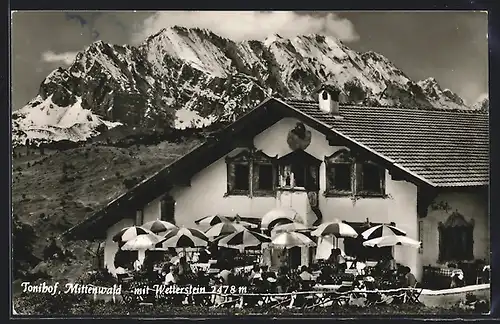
x=190 y=77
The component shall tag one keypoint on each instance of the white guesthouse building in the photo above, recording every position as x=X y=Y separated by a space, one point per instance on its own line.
x=426 y=171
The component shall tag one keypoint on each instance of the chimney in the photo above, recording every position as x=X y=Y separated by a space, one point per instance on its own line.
x=328 y=98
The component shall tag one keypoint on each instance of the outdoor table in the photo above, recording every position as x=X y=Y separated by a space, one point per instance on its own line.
x=326 y=287
x=200 y=266
x=244 y=269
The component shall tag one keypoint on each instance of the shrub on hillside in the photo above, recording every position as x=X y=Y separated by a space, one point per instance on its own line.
x=23 y=238
x=130 y=182
x=66 y=178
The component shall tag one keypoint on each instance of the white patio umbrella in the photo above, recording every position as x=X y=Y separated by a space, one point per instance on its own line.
x=279 y=216
x=142 y=242
x=211 y=220
x=130 y=233
x=159 y=226
x=392 y=240
x=243 y=239
x=335 y=228
x=288 y=240
x=184 y=238
x=382 y=230
x=290 y=227
x=224 y=229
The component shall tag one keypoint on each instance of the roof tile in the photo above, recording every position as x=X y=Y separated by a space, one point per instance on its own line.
x=445 y=147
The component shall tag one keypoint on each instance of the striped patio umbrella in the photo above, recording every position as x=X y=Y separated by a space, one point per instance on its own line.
x=392 y=240
x=289 y=240
x=208 y=221
x=382 y=230
x=244 y=239
x=142 y=242
x=130 y=233
x=183 y=238
x=158 y=226
x=290 y=227
x=335 y=228
x=224 y=229
x=279 y=216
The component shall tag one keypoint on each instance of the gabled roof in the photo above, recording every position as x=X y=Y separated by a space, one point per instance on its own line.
x=446 y=148
x=438 y=148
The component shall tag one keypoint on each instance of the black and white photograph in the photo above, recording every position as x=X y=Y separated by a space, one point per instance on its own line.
x=233 y=163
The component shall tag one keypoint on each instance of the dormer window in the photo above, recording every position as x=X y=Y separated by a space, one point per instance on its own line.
x=251 y=173
x=241 y=179
x=370 y=179
x=299 y=171
x=339 y=170
x=349 y=176
x=324 y=95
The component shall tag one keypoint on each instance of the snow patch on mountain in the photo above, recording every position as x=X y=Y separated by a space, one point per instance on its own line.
x=43 y=120
x=186 y=118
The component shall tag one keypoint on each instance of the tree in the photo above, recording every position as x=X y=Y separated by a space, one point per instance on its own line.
x=23 y=237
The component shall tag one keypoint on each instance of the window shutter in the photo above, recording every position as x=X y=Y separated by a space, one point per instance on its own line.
x=313 y=169
x=230 y=177
x=382 y=180
x=255 y=176
x=358 y=179
x=330 y=176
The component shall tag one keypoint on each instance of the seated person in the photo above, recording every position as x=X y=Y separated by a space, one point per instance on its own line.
x=409 y=278
x=457 y=280
x=204 y=256
x=326 y=275
x=389 y=263
x=283 y=280
x=172 y=277
x=265 y=273
x=224 y=274
x=137 y=265
x=254 y=272
x=306 y=278
x=337 y=260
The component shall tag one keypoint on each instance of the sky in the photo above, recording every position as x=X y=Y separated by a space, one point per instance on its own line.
x=450 y=46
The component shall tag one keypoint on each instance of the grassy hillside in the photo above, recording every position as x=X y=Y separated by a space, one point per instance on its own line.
x=54 y=191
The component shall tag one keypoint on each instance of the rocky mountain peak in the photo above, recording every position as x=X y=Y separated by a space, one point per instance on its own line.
x=190 y=77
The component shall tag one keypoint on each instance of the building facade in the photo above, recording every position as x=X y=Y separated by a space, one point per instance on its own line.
x=360 y=165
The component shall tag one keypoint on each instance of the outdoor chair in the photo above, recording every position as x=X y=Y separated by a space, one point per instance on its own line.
x=411 y=296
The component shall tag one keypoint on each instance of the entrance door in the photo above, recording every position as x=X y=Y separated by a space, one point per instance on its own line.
x=295 y=257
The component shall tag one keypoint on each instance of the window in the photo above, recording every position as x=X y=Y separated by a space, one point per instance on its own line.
x=167 y=210
x=456 y=241
x=354 y=246
x=238 y=174
x=241 y=180
x=339 y=168
x=299 y=170
x=265 y=176
x=370 y=179
x=251 y=173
